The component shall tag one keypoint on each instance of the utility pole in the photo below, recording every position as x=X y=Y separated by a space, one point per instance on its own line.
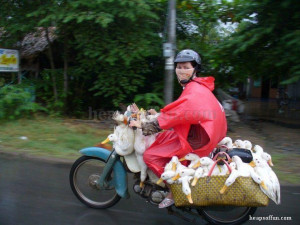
x=169 y=52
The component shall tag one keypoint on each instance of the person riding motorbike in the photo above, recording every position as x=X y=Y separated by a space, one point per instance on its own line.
x=194 y=123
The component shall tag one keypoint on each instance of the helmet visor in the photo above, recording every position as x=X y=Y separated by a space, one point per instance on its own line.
x=185 y=58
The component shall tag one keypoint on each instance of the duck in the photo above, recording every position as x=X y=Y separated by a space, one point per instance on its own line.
x=141 y=143
x=198 y=174
x=170 y=166
x=180 y=170
x=194 y=158
x=239 y=144
x=232 y=166
x=226 y=141
x=186 y=187
x=167 y=176
x=248 y=145
x=242 y=170
x=119 y=118
x=258 y=150
x=271 y=180
x=122 y=138
x=207 y=163
x=266 y=156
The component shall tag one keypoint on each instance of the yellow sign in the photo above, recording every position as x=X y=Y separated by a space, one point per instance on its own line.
x=9 y=60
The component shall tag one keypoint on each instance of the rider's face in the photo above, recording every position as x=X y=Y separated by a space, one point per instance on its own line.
x=184 y=70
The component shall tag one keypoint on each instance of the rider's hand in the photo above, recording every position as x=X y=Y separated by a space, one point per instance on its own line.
x=152 y=111
x=134 y=123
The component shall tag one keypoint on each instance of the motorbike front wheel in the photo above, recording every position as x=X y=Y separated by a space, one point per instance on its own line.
x=84 y=176
x=227 y=214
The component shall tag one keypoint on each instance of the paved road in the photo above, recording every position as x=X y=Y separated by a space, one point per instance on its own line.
x=34 y=192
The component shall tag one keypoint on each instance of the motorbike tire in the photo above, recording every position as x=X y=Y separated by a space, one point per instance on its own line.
x=239 y=219
x=93 y=191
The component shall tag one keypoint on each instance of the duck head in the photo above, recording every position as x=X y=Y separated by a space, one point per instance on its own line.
x=111 y=137
x=190 y=157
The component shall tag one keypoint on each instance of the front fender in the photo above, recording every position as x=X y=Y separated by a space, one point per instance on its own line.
x=120 y=175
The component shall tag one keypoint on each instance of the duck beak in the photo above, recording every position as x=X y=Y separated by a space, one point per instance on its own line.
x=194 y=181
x=182 y=159
x=230 y=160
x=173 y=166
x=264 y=185
x=270 y=162
x=159 y=181
x=176 y=177
x=197 y=165
x=252 y=163
x=105 y=141
x=189 y=197
x=224 y=188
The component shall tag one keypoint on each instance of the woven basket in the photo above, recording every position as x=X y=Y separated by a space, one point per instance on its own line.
x=243 y=192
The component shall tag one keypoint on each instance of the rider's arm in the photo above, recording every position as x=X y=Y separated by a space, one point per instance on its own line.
x=149 y=128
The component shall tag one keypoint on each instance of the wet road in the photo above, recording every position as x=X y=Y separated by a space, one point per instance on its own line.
x=34 y=192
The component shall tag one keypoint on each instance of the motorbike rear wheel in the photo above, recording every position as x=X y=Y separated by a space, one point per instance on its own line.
x=226 y=214
x=84 y=176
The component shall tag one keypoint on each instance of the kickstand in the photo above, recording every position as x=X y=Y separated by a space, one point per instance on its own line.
x=179 y=215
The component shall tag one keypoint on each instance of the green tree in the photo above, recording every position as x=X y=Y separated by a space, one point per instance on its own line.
x=267 y=41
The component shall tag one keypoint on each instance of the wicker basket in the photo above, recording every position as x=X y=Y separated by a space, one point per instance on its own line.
x=243 y=192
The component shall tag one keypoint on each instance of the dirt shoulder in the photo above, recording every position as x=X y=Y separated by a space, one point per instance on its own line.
x=281 y=142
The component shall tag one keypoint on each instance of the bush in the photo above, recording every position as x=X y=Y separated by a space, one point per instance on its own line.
x=16 y=102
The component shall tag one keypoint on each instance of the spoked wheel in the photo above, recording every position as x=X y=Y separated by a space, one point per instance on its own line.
x=227 y=214
x=84 y=176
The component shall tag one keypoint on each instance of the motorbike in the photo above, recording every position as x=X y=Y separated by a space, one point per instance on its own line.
x=99 y=180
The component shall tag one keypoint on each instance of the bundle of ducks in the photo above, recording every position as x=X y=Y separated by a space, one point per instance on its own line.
x=259 y=169
x=131 y=142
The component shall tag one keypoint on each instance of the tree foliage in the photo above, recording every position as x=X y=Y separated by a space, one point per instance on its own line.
x=109 y=52
x=267 y=40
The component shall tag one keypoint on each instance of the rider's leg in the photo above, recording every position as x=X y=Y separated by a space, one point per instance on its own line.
x=168 y=201
x=167 y=144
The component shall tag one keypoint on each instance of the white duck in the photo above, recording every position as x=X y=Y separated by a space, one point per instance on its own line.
x=167 y=176
x=243 y=170
x=186 y=187
x=194 y=158
x=232 y=166
x=140 y=147
x=226 y=141
x=170 y=166
x=260 y=152
x=198 y=174
x=239 y=144
x=180 y=170
x=248 y=145
x=141 y=143
x=207 y=163
x=122 y=138
x=119 y=118
x=264 y=170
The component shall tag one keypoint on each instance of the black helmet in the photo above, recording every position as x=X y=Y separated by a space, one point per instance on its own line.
x=188 y=55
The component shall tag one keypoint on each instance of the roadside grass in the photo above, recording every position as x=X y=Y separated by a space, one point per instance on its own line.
x=53 y=137
x=286 y=167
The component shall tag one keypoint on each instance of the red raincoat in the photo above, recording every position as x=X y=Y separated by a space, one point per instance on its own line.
x=196 y=106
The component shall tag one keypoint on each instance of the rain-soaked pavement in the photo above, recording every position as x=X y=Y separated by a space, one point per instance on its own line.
x=35 y=192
